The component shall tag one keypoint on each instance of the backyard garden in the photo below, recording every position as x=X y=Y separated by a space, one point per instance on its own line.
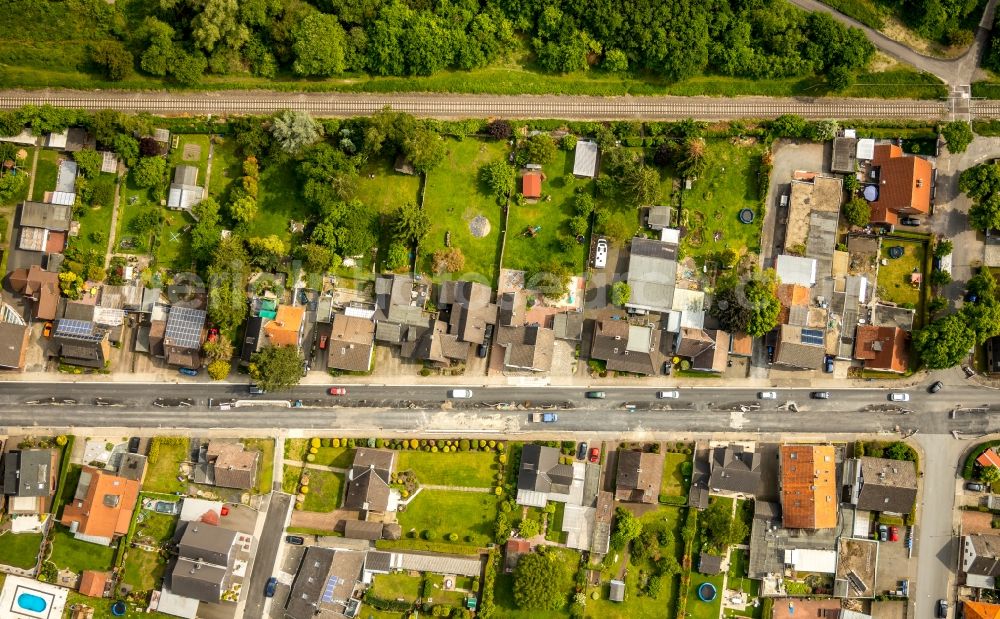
x=895 y=276
x=165 y=457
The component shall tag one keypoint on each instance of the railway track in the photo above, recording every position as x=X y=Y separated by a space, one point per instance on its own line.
x=484 y=106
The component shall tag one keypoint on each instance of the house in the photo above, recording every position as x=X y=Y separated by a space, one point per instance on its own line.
x=227 y=464
x=29 y=479
x=526 y=347
x=706 y=349
x=800 y=348
x=585 y=159
x=988 y=458
x=711 y=564
x=44 y=227
x=325 y=582
x=542 y=477
x=184 y=192
x=352 y=343
x=513 y=551
x=93 y=583
x=652 y=275
x=568 y=326
x=14 y=334
x=531 y=184
x=638 y=478
x=83 y=343
x=904 y=184
x=735 y=470
x=627 y=347
x=844 y=155
x=368 y=481
x=616 y=593
x=981 y=560
x=252 y=338
x=980 y=610
x=795 y=270
x=882 y=348
x=101 y=509
x=183 y=335
x=286 y=328
x=132 y=466
x=40 y=286
x=882 y=485
x=469 y=309
x=809 y=497
x=205 y=561
x=400 y=318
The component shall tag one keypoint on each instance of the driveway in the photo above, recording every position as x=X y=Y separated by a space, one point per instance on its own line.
x=788 y=156
x=267 y=552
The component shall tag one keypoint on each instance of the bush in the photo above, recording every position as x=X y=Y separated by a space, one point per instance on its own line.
x=310 y=457
x=429 y=535
x=453 y=537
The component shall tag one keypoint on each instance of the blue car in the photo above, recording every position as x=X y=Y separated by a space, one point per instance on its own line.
x=270 y=587
x=188 y=371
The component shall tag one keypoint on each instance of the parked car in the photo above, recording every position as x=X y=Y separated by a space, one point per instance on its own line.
x=937 y=386
x=213 y=334
x=893 y=534
x=896 y=396
x=820 y=395
x=667 y=367
x=47 y=330
x=595 y=454
x=581 y=451
x=910 y=221
x=488 y=332
x=337 y=391
x=663 y=395
x=883 y=533
x=601 y=254
x=767 y=395
x=544 y=417
x=270 y=587
x=942 y=609
x=595 y=395
x=255 y=390
x=296 y=540
x=784 y=200
x=133 y=445
x=828 y=364
x=975 y=487
x=188 y=371
x=481 y=350
x=322 y=342
x=770 y=354
x=463 y=394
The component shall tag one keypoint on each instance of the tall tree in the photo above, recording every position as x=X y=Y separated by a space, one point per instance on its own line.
x=540 y=582
x=318 y=44
x=276 y=368
x=294 y=131
x=944 y=343
x=750 y=307
x=410 y=223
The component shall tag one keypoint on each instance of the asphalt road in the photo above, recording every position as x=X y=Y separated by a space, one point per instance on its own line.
x=267 y=551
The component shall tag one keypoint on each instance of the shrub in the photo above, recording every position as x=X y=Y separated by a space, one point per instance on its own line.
x=429 y=535
x=310 y=457
x=314 y=442
x=453 y=537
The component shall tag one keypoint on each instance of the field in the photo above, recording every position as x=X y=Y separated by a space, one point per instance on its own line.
x=226 y=167
x=397 y=586
x=20 y=550
x=454 y=196
x=278 y=202
x=75 y=555
x=468 y=514
x=388 y=190
x=325 y=491
x=131 y=204
x=674 y=482
x=711 y=208
x=894 y=277
x=461 y=468
x=337 y=457
x=522 y=252
x=165 y=456
x=143 y=569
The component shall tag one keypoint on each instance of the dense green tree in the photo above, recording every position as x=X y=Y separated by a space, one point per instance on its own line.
x=113 y=58
x=206 y=232
x=940 y=278
x=539 y=148
x=11 y=185
x=944 y=343
x=500 y=177
x=621 y=292
x=626 y=528
x=540 y=582
x=722 y=529
x=839 y=79
x=397 y=256
x=749 y=307
x=982 y=184
x=146 y=221
x=127 y=148
x=243 y=209
x=410 y=224
x=149 y=171
x=424 y=148
x=188 y=67
x=294 y=131
x=266 y=251
x=88 y=162
x=318 y=46
x=316 y=258
x=217 y=21
x=102 y=192
x=943 y=247
x=958 y=135
x=276 y=368
x=641 y=185
x=615 y=61
x=983 y=317
x=982 y=285
x=227 y=279
x=857 y=212
x=155 y=59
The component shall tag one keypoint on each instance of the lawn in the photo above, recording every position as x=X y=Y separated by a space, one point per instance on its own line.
x=278 y=202
x=468 y=514
x=143 y=569
x=20 y=550
x=165 y=456
x=325 y=491
x=96 y=220
x=337 y=457
x=265 y=476
x=461 y=468
x=177 y=155
x=738 y=563
x=397 y=586
x=554 y=533
x=290 y=479
x=507 y=608
x=552 y=216
x=102 y=607
x=131 y=204
x=454 y=196
x=388 y=190
x=711 y=208
x=894 y=277
x=696 y=609
x=46 y=172
x=173 y=244
x=675 y=482
x=76 y=555
x=226 y=167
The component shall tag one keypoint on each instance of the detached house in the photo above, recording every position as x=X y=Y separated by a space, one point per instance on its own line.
x=41 y=287
x=228 y=465
x=882 y=348
x=627 y=347
x=904 y=184
x=981 y=560
x=101 y=509
x=29 y=479
x=368 y=481
x=526 y=347
x=706 y=349
x=352 y=343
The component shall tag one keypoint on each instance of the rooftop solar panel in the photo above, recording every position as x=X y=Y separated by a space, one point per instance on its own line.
x=331 y=584
x=78 y=330
x=184 y=326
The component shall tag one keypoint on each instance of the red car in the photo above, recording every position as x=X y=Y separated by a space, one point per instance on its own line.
x=893 y=534
x=337 y=391
x=322 y=342
x=595 y=454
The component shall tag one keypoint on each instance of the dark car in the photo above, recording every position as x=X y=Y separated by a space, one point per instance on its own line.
x=188 y=371
x=595 y=395
x=883 y=533
x=974 y=487
x=133 y=445
x=270 y=587
x=488 y=333
x=481 y=351
x=828 y=364
x=255 y=390
x=770 y=354
x=581 y=451
x=820 y=395
x=667 y=366
x=296 y=540
x=942 y=609
x=934 y=388
x=910 y=221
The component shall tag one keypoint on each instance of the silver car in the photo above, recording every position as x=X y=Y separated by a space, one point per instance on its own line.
x=767 y=395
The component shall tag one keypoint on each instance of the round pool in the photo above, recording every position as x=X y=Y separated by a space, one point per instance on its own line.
x=707 y=592
x=31 y=602
x=118 y=609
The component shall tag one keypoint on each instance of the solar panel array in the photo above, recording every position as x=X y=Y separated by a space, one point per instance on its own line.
x=82 y=330
x=331 y=584
x=812 y=336
x=184 y=326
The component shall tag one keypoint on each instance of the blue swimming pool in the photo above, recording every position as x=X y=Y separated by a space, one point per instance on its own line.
x=31 y=602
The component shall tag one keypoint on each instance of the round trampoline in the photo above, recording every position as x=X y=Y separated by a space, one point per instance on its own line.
x=746 y=215
x=896 y=251
x=118 y=609
x=707 y=592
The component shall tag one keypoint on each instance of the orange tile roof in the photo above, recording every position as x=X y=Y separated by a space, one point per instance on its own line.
x=989 y=458
x=531 y=184
x=880 y=214
x=284 y=329
x=106 y=509
x=809 y=497
x=904 y=181
x=92 y=583
x=882 y=348
x=789 y=296
x=742 y=344
x=980 y=610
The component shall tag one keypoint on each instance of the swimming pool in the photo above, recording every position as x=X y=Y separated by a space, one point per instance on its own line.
x=31 y=603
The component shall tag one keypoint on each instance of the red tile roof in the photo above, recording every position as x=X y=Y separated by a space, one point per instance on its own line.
x=92 y=583
x=989 y=458
x=882 y=348
x=809 y=497
x=980 y=610
x=904 y=181
x=284 y=329
x=531 y=184
x=106 y=510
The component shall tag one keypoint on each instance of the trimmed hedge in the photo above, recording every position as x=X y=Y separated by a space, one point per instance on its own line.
x=969 y=468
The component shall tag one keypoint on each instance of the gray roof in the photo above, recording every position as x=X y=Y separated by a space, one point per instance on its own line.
x=617 y=591
x=698 y=492
x=541 y=471
x=207 y=543
x=568 y=325
x=49 y=216
x=887 y=485
x=186 y=175
x=27 y=472
x=585 y=159
x=652 y=274
x=309 y=583
x=13 y=338
x=368 y=480
x=735 y=469
x=658 y=217
x=710 y=564
x=132 y=466
x=378 y=561
x=844 y=155
x=793 y=352
x=362 y=529
x=198 y=580
x=987 y=561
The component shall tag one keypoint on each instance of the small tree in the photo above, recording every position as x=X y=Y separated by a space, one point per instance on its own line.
x=114 y=60
x=529 y=527
x=940 y=278
x=857 y=212
x=615 y=61
x=294 y=131
x=219 y=369
x=449 y=260
x=958 y=135
x=500 y=177
x=148 y=171
x=943 y=247
x=621 y=292
x=568 y=142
